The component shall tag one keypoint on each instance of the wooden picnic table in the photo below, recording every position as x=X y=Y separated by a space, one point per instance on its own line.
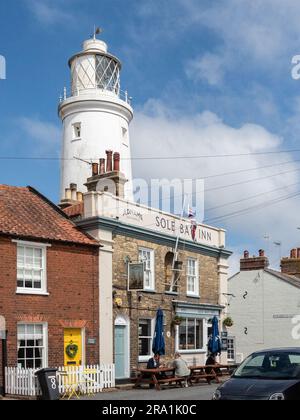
x=228 y=369
x=157 y=377
x=207 y=373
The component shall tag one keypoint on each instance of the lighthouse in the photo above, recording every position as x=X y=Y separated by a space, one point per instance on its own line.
x=95 y=115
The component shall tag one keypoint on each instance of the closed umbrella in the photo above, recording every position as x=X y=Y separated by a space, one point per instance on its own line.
x=214 y=344
x=158 y=346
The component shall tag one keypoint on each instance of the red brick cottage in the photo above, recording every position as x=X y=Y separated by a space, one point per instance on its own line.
x=48 y=284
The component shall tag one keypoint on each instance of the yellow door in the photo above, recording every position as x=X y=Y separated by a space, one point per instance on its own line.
x=73 y=347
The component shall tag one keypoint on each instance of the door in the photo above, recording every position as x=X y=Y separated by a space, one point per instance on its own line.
x=73 y=347
x=121 y=351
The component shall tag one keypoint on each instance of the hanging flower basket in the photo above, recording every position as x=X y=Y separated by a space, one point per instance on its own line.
x=228 y=322
x=177 y=320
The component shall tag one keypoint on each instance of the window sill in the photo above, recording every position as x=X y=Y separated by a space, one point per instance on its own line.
x=193 y=296
x=32 y=292
x=172 y=293
x=151 y=291
x=77 y=139
x=192 y=351
x=144 y=359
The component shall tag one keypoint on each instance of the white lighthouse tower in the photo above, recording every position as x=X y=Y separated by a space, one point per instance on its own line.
x=95 y=117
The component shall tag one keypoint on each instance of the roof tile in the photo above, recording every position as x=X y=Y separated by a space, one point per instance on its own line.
x=24 y=212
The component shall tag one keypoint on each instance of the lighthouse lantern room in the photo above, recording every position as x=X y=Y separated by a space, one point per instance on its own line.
x=95 y=117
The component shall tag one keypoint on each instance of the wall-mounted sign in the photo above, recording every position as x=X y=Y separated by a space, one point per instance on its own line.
x=92 y=341
x=136 y=273
x=224 y=344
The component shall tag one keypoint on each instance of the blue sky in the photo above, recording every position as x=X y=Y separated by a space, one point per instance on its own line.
x=207 y=77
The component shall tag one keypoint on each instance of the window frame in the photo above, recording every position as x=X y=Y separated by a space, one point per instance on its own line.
x=75 y=127
x=44 y=279
x=203 y=338
x=151 y=287
x=231 y=349
x=145 y=358
x=195 y=277
x=45 y=342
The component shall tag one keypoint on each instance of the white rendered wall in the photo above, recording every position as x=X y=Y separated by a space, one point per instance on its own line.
x=104 y=126
x=266 y=311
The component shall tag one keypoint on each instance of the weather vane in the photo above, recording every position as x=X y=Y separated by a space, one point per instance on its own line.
x=97 y=31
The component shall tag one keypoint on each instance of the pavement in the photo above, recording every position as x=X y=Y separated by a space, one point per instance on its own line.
x=195 y=393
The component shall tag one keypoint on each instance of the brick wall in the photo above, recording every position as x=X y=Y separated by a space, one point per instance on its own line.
x=136 y=305
x=72 y=277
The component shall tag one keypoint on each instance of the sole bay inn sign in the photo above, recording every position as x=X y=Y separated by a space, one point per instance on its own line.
x=132 y=214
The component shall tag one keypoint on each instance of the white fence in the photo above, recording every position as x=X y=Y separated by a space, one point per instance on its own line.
x=90 y=380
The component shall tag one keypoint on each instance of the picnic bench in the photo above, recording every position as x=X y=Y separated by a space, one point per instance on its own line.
x=166 y=375
x=198 y=373
x=158 y=377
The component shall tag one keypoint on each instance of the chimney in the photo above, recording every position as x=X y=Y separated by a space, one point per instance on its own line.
x=72 y=197
x=115 y=179
x=291 y=265
x=109 y=155
x=254 y=263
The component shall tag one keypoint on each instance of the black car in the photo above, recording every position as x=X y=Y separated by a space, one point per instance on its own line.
x=266 y=375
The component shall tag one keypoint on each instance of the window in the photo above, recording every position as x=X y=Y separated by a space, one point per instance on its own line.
x=147 y=257
x=192 y=277
x=76 y=131
x=191 y=334
x=145 y=338
x=32 y=346
x=31 y=268
x=231 y=350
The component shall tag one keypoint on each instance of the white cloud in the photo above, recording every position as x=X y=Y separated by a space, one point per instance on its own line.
x=157 y=131
x=50 y=11
x=42 y=136
x=263 y=29
x=209 y=67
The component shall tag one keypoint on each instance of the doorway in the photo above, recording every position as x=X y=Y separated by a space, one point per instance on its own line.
x=122 y=356
x=73 y=347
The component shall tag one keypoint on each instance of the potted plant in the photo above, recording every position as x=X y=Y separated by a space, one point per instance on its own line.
x=228 y=322
x=177 y=320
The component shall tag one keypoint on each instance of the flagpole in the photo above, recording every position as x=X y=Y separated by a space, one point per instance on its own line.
x=178 y=236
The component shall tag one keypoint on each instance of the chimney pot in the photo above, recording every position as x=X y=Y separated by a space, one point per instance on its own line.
x=102 y=166
x=109 y=162
x=293 y=253
x=79 y=196
x=246 y=255
x=117 y=162
x=73 y=188
x=261 y=253
x=68 y=194
x=95 y=169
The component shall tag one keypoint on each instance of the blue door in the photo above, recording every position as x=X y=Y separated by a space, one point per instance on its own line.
x=121 y=350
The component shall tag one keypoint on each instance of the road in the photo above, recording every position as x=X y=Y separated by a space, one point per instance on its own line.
x=195 y=393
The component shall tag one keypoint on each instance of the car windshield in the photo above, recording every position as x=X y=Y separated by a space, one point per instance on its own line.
x=270 y=365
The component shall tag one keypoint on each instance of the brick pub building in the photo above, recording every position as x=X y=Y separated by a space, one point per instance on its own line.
x=132 y=233
x=48 y=284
